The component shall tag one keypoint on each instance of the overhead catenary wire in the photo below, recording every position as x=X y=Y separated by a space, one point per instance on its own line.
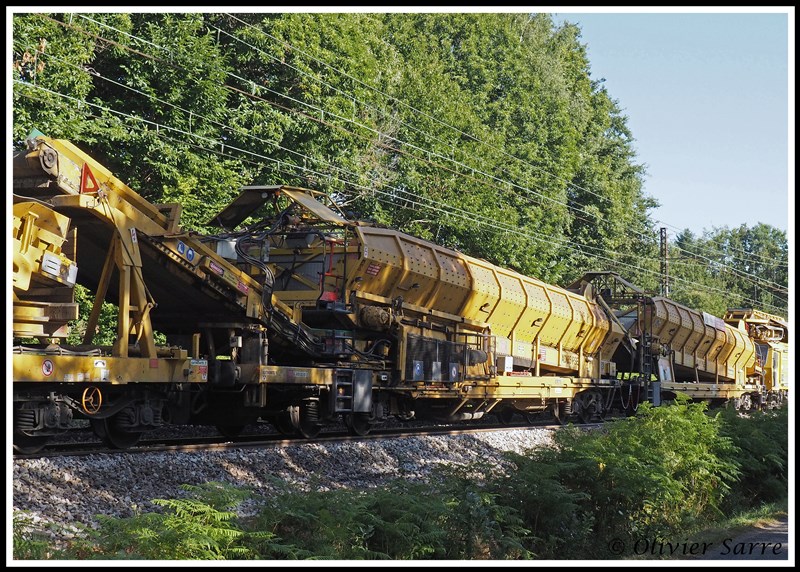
x=755 y=279
x=692 y=262
x=751 y=256
x=403 y=142
x=338 y=116
x=471 y=216
x=332 y=87
x=310 y=117
x=294 y=48
x=414 y=109
x=298 y=70
x=278 y=146
x=511 y=184
x=760 y=281
x=411 y=199
x=726 y=267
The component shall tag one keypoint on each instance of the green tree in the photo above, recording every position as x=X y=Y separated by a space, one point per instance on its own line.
x=724 y=268
x=481 y=132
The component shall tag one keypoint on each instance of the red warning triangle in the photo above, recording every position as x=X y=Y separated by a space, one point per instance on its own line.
x=88 y=182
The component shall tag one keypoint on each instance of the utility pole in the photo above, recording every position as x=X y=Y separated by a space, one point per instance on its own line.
x=664 y=264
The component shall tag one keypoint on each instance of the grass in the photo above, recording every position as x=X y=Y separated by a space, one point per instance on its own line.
x=729 y=527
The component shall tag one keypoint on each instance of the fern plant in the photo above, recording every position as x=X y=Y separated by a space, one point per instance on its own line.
x=29 y=542
x=201 y=527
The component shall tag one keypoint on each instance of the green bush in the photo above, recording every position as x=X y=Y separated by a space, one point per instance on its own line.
x=454 y=517
x=541 y=491
x=320 y=525
x=663 y=471
x=202 y=527
x=30 y=543
x=477 y=523
x=650 y=476
x=762 y=451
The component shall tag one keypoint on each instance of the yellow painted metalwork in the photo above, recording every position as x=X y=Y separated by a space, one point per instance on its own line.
x=527 y=392
x=779 y=380
x=393 y=265
x=42 y=275
x=510 y=307
x=468 y=325
x=295 y=375
x=106 y=369
x=42 y=319
x=760 y=325
x=117 y=206
x=705 y=391
x=699 y=342
x=37 y=230
x=693 y=346
x=308 y=199
x=453 y=284
x=532 y=387
x=770 y=333
x=774 y=369
x=540 y=325
x=482 y=299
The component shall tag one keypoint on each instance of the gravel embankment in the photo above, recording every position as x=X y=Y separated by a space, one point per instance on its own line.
x=74 y=489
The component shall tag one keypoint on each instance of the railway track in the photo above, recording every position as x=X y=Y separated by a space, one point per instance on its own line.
x=255 y=440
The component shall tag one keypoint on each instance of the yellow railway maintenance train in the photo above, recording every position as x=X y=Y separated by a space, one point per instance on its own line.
x=307 y=317
x=741 y=359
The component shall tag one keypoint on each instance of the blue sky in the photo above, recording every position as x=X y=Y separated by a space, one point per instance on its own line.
x=707 y=98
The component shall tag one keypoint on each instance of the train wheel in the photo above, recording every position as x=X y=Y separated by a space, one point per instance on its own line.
x=560 y=413
x=98 y=427
x=231 y=431
x=532 y=417
x=308 y=429
x=286 y=421
x=283 y=423
x=591 y=407
x=505 y=416
x=309 y=425
x=586 y=414
x=24 y=423
x=114 y=436
x=358 y=424
x=30 y=444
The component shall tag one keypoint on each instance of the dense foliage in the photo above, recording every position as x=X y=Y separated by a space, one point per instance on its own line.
x=739 y=267
x=481 y=132
x=662 y=475
x=653 y=478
